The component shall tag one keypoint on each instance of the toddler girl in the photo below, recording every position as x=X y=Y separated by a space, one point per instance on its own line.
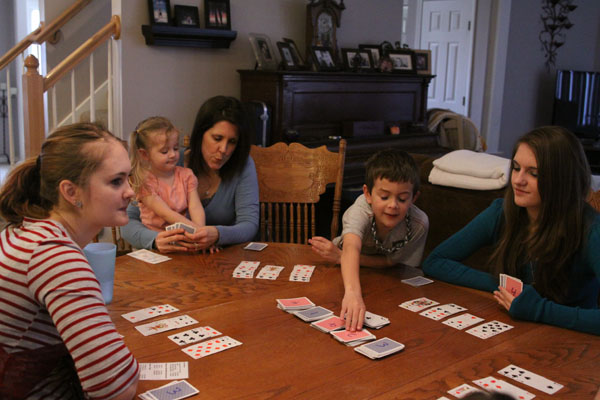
x=164 y=190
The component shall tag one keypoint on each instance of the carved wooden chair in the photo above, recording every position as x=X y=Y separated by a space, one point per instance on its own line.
x=291 y=180
x=123 y=246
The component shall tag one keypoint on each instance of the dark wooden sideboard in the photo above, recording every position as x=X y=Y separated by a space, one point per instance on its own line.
x=316 y=108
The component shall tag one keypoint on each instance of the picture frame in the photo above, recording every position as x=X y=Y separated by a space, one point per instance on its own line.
x=357 y=59
x=288 y=60
x=186 y=16
x=403 y=61
x=323 y=58
x=296 y=53
x=217 y=14
x=423 y=61
x=375 y=50
x=263 y=51
x=160 y=12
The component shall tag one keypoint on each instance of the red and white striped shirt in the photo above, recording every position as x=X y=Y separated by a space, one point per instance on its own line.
x=48 y=295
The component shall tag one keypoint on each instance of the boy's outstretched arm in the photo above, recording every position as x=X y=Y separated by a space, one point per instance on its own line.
x=353 y=306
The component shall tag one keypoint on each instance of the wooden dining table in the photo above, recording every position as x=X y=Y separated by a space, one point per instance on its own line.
x=283 y=357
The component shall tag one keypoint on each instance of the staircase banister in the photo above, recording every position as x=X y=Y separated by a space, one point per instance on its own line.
x=19 y=48
x=113 y=28
x=50 y=30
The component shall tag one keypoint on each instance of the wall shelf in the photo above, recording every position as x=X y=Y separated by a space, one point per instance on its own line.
x=166 y=35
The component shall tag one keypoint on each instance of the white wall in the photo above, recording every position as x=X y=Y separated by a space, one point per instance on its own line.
x=175 y=81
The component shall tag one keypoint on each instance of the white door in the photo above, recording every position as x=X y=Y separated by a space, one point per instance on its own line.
x=446 y=30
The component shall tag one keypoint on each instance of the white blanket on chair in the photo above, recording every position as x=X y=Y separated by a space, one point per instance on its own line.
x=470 y=170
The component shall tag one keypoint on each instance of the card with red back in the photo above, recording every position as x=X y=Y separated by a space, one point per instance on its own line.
x=348 y=336
x=329 y=324
x=514 y=285
x=296 y=303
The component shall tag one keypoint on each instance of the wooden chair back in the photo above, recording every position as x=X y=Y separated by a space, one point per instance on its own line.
x=123 y=247
x=291 y=179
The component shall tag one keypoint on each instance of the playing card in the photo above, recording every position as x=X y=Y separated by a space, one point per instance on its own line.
x=329 y=324
x=255 y=246
x=302 y=273
x=269 y=272
x=353 y=338
x=245 y=269
x=417 y=281
x=440 y=312
x=443 y=398
x=150 y=312
x=209 y=347
x=513 y=285
x=194 y=335
x=296 y=303
x=163 y=371
x=489 y=329
x=313 y=314
x=462 y=390
x=148 y=256
x=529 y=378
x=165 y=325
x=418 y=304
x=178 y=225
x=462 y=321
x=380 y=348
x=174 y=391
x=498 y=385
x=375 y=321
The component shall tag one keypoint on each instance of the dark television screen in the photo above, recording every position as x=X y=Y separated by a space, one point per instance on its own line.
x=577 y=103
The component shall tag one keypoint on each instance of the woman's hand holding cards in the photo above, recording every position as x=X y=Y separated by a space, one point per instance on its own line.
x=504 y=297
x=170 y=241
x=353 y=309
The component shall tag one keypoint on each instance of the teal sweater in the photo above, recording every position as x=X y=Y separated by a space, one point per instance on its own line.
x=580 y=309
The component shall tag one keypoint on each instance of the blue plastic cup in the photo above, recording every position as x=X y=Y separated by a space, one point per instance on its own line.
x=101 y=257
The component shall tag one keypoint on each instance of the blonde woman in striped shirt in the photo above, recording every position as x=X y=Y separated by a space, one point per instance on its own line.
x=57 y=340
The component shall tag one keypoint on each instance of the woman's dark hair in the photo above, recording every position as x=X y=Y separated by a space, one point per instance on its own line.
x=69 y=153
x=217 y=109
x=561 y=226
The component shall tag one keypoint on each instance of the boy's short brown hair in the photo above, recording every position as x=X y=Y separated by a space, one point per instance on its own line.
x=393 y=165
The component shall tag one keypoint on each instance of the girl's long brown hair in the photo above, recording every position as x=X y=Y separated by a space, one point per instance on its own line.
x=551 y=242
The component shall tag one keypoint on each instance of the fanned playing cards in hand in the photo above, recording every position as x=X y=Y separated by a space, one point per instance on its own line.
x=512 y=284
x=210 y=347
x=164 y=325
x=149 y=312
x=379 y=348
x=302 y=273
x=194 y=335
x=245 y=269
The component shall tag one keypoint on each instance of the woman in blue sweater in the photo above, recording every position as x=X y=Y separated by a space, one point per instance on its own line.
x=543 y=232
x=227 y=184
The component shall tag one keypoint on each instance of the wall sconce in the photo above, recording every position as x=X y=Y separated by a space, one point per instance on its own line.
x=556 y=23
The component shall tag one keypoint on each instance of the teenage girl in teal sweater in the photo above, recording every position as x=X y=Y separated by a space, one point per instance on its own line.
x=543 y=232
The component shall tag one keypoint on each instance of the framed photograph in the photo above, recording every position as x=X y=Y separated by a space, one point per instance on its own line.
x=375 y=51
x=288 y=60
x=263 y=51
x=323 y=58
x=423 y=61
x=187 y=16
x=217 y=14
x=357 y=59
x=402 y=61
x=295 y=53
x=160 y=12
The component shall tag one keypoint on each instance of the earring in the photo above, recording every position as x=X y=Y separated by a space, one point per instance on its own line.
x=78 y=204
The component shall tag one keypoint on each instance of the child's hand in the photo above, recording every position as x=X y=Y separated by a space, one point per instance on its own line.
x=353 y=308
x=503 y=297
x=326 y=249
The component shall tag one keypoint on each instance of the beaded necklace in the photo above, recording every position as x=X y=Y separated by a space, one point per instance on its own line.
x=396 y=245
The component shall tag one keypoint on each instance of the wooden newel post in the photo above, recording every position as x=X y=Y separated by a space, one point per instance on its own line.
x=33 y=107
